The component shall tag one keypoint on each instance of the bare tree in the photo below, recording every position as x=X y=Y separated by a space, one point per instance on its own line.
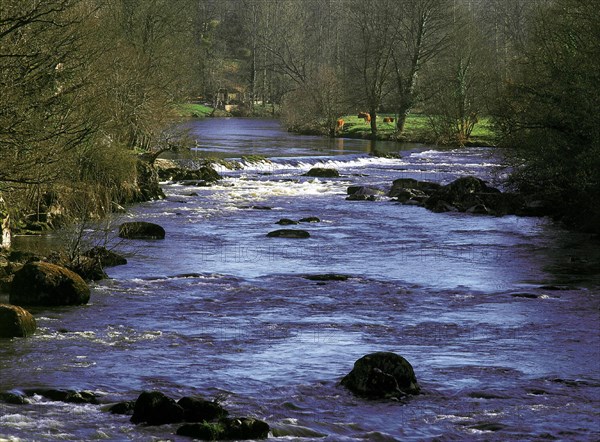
x=372 y=35
x=422 y=33
x=458 y=81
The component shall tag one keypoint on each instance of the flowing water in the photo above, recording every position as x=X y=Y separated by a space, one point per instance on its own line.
x=218 y=309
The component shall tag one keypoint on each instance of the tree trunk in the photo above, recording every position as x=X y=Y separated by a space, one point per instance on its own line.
x=373 y=114
x=6 y=234
x=402 y=116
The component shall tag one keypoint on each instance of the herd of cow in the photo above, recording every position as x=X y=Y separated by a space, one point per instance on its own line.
x=365 y=116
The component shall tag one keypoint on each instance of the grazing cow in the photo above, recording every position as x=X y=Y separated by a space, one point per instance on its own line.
x=388 y=119
x=365 y=115
x=340 y=124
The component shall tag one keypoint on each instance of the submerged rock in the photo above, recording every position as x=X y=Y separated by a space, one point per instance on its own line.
x=382 y=375
x=141 y=230
x=154 y=408
x=286 y=222
x=289 y=233
x=45 y=284
x=69 y=396
x=321 y=172
x=241 y=428
x=309 y=219
x=15 y=322
x=326 y=277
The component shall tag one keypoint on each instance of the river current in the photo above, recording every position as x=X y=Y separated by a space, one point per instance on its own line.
x=498 y=316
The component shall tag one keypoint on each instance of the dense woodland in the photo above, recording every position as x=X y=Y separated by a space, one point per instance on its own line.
x=86 y=85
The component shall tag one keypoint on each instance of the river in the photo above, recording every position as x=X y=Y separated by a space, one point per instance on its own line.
x=218 y=309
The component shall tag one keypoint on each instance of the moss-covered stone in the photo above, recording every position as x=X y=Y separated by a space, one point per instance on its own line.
x=45 y=284
x=242 y=428
x=15 y=322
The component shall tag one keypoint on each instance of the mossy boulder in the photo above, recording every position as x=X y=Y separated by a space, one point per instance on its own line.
x=205 y=173
x=242 y=428
x=382 y=375
x=15 y=322
x=309 y=219
x=322 y=172
x=154 y=408
x=197 y=409
x=44 y=284
x=89 y=269
x=141 y=230
x=147 y=185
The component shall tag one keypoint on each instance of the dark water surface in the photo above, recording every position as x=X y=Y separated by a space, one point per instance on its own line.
x=220 y=310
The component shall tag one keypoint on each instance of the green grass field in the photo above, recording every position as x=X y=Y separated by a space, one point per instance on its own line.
x=416 y=129
x=193 y=110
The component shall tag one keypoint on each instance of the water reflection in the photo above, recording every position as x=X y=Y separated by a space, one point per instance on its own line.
x=234 y=137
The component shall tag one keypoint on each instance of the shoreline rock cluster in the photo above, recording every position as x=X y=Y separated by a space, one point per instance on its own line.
x=35 y=281
x=466 y=194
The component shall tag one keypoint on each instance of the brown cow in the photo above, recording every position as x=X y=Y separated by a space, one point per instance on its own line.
x=388 y=119
x=340 y=124
x=365 y=115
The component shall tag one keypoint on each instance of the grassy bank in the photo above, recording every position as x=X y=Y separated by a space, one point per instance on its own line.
x=196 y=110
x=417 y=129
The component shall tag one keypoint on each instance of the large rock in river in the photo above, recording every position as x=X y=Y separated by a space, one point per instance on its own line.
x=45 y=284
x=15 y=322
x=401 y=185
x=322 y=172
x=382 y=375
x=197 y=409
x=204 y=173
x=154 y=408
x=462 y=194
x=141 y=230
